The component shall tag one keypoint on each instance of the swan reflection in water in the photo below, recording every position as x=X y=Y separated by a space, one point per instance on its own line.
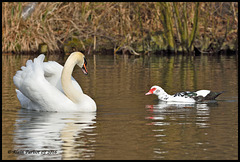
x=69 y=135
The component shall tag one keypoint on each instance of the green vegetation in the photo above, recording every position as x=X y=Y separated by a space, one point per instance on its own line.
x=143 y=27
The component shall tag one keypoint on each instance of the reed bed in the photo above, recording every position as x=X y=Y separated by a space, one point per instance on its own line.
x=144 y=27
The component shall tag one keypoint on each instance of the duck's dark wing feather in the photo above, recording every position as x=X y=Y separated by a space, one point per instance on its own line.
x=213 y=95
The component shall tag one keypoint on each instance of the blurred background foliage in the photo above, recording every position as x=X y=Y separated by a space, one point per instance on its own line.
x=145 y=27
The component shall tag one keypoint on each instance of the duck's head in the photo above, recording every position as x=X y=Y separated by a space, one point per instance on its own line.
x=155 y=90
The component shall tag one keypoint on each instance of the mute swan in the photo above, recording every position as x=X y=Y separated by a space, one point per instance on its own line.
x=187 y=96
x=48 y=86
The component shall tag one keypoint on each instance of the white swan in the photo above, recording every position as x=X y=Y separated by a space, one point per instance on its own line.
x=48 y=86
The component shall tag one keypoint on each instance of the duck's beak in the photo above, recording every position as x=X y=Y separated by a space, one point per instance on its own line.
x=84 y=69
x=148 y=93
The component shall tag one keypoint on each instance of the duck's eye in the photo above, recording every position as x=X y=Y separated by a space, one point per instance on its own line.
x=157 y=91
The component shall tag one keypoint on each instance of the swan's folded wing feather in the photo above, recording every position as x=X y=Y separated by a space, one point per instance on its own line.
x=52 y=68
x=32 y=84
x=53 y=72
x=47 y=97
x=24 y=101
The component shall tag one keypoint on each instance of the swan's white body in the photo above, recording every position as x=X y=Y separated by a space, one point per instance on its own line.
x=48 y=86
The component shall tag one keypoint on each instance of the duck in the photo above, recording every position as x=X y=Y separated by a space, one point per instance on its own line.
x=49 y=86
x=185 y=96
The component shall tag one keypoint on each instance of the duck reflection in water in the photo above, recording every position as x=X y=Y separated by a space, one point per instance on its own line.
x=162 y=110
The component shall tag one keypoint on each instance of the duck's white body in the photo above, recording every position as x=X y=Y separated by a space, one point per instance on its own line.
x=190 y=97
x=48 y=86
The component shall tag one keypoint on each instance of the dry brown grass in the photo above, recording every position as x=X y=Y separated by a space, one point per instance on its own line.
x=102 y=24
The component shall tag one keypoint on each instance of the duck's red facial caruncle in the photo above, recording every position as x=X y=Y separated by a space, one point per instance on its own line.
x=151 y=91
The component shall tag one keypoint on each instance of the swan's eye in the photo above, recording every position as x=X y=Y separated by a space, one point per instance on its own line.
x=85 y=61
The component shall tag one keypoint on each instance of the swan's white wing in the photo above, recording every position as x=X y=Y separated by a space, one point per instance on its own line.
x=53 y=72
x=42 y=95
x=24 y=101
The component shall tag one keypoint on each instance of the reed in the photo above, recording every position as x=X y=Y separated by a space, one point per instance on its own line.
x=166 y=20
x=92 y=26
x=194 y=28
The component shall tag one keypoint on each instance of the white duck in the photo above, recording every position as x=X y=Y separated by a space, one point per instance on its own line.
x=187 y=96
x=48 y=86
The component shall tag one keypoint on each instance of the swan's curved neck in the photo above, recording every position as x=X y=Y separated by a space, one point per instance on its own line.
x=67 y=86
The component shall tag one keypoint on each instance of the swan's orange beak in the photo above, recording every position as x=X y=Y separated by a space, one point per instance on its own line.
x=84 y=69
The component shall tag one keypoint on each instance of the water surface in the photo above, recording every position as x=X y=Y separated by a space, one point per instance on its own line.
x=128 y=124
